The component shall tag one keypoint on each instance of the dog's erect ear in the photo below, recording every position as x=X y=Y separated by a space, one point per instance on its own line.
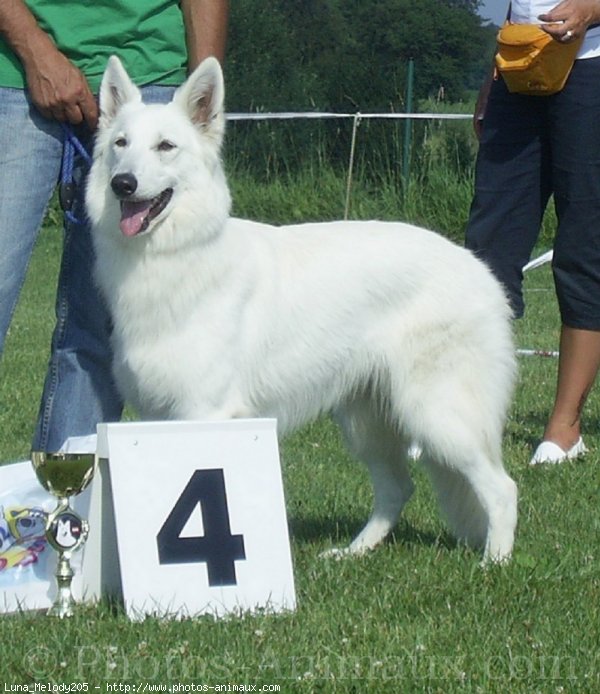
x=201 y=97
x=116 y=90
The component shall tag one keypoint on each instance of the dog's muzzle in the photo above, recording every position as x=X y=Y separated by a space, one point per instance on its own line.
x=136 y=212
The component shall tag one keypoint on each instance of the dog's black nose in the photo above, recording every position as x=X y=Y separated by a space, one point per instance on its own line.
x=124 y=185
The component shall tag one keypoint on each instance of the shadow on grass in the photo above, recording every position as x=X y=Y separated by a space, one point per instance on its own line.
x=342 y=530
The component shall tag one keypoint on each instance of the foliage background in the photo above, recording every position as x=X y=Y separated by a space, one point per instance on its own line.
x=351 y=55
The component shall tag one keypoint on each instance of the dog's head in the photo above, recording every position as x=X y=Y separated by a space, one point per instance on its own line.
x=158 y=165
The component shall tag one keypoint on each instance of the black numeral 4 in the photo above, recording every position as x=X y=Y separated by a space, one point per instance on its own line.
x=217 y=547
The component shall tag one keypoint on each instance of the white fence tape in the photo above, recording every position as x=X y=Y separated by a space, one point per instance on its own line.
x=537 y=262
x=290 y=115
x=537 y=353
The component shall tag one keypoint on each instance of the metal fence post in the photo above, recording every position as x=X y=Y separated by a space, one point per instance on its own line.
x=406 y=142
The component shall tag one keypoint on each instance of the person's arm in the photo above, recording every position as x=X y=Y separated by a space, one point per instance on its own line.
x=484 y=92
x=481 y=104
x=57 y=88
x=205 y=29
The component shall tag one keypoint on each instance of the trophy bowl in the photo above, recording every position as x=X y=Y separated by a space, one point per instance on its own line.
x=64 y=475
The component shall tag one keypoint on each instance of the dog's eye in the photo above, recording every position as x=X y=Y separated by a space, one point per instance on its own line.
x=165 y=146
x=120 y=142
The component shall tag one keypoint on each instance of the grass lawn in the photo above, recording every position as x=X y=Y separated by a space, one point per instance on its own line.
x=417 y=615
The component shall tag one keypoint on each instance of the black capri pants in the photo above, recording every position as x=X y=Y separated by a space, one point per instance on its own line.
x=533 y=147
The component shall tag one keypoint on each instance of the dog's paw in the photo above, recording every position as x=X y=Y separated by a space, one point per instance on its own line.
x=337 y=553
x=493 y=560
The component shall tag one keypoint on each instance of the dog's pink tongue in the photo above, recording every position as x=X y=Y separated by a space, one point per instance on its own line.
x=132 y=217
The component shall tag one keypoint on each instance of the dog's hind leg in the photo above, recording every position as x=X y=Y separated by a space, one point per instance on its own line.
x=455 y=406
x=475 y=493
x=373 y=441
x=480 y=505
x=501 y=493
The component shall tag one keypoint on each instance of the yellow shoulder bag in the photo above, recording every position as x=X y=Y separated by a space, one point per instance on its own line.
x=531 y=61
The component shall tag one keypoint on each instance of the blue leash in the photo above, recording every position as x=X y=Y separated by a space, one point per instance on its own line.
x=72 y=147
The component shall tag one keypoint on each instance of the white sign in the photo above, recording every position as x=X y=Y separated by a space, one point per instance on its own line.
x=199 y=517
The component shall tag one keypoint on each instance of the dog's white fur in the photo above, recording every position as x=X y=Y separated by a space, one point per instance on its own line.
x=403 y=335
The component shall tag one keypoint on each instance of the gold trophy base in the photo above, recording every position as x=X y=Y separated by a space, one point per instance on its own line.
x=64 y=603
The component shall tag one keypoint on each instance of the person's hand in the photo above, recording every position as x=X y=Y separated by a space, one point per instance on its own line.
x=59 y=90
x=570 y=19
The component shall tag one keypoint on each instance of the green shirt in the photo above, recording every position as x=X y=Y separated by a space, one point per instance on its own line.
x=148 y=36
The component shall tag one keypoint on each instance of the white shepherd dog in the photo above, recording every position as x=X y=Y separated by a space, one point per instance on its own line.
x=399 y=333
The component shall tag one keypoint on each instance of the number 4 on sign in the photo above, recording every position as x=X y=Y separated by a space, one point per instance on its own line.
x=217 y=547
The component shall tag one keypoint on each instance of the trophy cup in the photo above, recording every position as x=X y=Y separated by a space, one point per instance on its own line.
x=64 y=475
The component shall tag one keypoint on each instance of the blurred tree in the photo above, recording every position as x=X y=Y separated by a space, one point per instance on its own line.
x=351 y=54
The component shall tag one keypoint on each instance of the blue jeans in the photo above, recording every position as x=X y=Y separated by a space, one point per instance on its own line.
x=533 y=147
x=79 y=390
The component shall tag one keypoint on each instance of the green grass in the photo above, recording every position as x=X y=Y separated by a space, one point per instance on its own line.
x=417 y=615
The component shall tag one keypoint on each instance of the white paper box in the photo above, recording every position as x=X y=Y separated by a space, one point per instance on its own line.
x=27 y=561
x=199 y=516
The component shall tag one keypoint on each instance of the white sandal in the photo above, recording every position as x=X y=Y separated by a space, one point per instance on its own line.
x=550 y=452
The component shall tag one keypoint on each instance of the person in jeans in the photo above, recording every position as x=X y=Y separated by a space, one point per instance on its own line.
x=52 y=57
x=532 y=147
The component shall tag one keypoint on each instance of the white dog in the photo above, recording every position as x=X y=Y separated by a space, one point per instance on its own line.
x=399 y=333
